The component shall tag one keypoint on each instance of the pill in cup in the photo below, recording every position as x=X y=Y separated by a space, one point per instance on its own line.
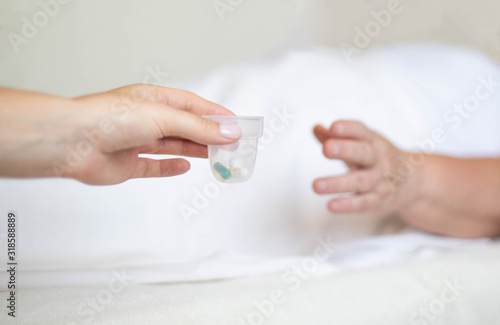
x=234 y=163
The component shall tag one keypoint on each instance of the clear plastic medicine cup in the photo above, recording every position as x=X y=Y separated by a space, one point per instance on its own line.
x=233 y=163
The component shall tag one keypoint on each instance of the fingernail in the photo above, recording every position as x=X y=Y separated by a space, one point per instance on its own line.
x=230 y=131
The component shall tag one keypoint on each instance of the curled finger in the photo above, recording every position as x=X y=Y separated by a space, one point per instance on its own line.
x=355 y=152
x=356 y=203
x=147 y=168
x=175 y=146
x=359 y=181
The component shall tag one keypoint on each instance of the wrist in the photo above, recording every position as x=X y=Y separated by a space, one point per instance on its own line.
x=34 y=133
x=410 y=181
x=66 y=139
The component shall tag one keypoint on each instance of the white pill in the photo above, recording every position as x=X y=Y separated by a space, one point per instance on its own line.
x=235 y=163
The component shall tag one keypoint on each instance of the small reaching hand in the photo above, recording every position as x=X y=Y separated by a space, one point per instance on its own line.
x=370 y=158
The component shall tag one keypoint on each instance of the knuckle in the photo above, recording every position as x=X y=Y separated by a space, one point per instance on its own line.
x=364 y=182
x=340 y=184
x=385 y=189
x=139 y=92
x=359 y=149
x=152 y=147
x=184 y=147
x=190 y=99
x=359 y=185
x=164 y=126
x=370 y=135
x=370 y=181
x=146 y=171
x=368 y=154
x=346 y=151
x=208 y=126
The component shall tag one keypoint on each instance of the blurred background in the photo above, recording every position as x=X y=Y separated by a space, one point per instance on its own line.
x=71 y=47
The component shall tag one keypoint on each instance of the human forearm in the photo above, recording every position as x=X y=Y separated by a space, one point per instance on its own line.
x=33 y=128
x=455 y=197
x=98 y=138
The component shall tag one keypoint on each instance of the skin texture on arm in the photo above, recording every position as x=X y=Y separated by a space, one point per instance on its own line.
x=456 y=197
x=441 y=195
x=97 y=138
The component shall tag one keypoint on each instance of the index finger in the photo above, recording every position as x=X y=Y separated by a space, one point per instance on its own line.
x=184 y=100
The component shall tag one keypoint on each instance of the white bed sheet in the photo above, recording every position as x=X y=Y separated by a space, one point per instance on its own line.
x=461 y=288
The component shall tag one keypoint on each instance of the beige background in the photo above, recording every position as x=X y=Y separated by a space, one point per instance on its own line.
x=95 y=45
